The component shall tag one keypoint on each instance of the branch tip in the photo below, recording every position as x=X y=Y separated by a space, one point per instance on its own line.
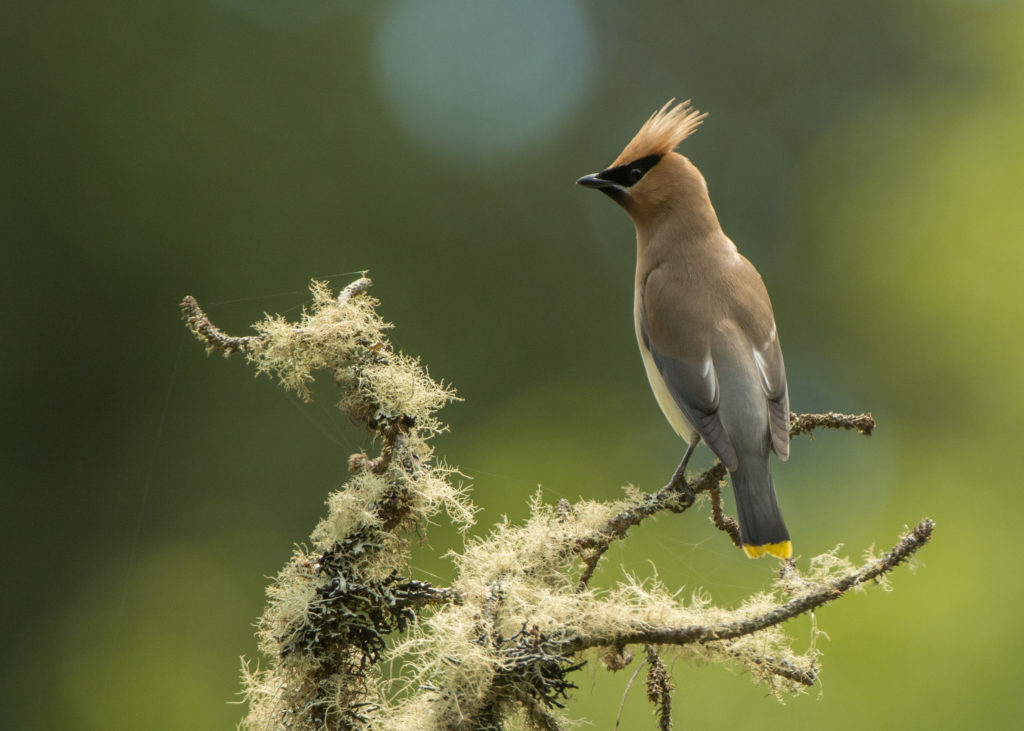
x=358 y=287
x=806 y=423
x=199 y=323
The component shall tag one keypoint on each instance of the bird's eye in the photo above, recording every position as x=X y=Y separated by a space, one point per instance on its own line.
x=635 y=174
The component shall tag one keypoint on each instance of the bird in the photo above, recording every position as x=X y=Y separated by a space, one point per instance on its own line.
x=704 y=323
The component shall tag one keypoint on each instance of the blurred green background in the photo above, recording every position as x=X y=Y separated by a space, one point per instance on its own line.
x=865 y=156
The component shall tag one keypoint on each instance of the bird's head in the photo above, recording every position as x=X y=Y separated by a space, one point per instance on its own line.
x=648 y=174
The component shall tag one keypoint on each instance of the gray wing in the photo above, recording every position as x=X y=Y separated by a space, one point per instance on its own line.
x=693 y=383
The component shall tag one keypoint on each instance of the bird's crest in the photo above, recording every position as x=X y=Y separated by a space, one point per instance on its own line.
x=663 y=132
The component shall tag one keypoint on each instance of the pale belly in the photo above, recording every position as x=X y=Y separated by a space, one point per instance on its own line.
x=672 y=412
x=668 y=405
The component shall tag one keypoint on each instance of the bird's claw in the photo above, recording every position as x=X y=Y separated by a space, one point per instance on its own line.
x=681 y=487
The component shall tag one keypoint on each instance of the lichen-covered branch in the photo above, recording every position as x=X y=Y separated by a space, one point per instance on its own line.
x=199 y=323
x=811 y=599
x=351 y=641
x=806 y=423
x=783 y=668
x=725 y=523
x=679 y=498
x=659 y=688
x=332 y=607
x=667 y=498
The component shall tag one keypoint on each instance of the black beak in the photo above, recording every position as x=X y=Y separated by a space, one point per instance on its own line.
x=594 y=181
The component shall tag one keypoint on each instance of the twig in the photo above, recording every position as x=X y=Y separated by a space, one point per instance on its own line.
x=356 y=288
x=629 y=687
x=590 y=562
x=667 y=498
x=783 y=668
x=659 y=688
x=199 y=323
x=831 y=591
x=722 y=521
x=805 y=423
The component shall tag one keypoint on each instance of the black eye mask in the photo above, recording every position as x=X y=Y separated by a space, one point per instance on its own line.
x=631 y=173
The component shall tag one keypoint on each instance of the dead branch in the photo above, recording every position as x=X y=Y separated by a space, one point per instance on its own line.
x=723 y=522
x=199 y=323
x=806 y=423
x=203 y=328
x=807 y=602
x=659 y=688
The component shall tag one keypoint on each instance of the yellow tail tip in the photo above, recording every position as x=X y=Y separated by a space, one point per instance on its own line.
x=783 y=549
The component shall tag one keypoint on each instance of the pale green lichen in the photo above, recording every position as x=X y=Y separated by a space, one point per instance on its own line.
x=319 y=672
x=521 y=576
x=348 y=340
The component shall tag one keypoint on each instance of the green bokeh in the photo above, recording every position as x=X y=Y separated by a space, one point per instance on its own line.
x=866 y=157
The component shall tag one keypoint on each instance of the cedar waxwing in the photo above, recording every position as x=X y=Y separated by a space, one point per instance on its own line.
x=704 y=323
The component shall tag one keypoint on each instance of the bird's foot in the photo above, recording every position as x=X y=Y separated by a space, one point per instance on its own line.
x=680 y=486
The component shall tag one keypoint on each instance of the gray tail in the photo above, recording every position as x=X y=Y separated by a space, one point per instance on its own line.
x=762 y=529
